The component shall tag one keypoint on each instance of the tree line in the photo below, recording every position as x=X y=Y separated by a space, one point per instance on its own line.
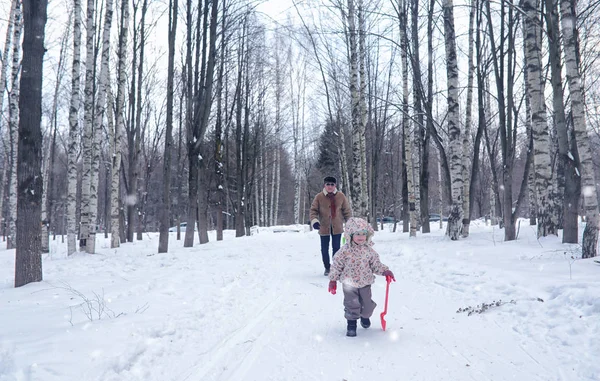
x=210 y=113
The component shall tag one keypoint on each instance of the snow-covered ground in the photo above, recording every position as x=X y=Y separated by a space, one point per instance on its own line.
x=257 y=308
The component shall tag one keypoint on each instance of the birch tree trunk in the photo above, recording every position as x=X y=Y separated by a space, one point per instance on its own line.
x=6 y=52
x=134 y=208
x=14 y=126
x=362 y=57
x=74 y=131
x=277 y=184
x=532 y=30
x=454 y=144
x=47 y=197
x=590 y=199
x=566 y=172
x=407 y=141
x=103 y=87
x=119 y=125
x=88 y=127
x=467 y=134
x=28 y=258
x=6 y=177
x=357 y=131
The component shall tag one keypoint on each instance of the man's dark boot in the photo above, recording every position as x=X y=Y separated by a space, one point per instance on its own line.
x=365 y=322
x=351 y=332
x=326 y=273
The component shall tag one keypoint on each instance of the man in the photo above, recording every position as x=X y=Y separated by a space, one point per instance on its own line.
x=328 y=212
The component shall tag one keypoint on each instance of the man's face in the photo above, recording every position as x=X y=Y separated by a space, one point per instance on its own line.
x=330 y=187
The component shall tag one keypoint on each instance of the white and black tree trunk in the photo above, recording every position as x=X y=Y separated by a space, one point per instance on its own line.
x=588 y=182
x=358 y=198
x=407 y=140
x=74 y=131
x=49 y=155
x=541 y=141
x=14 y=125
x=454 y=143
x=28 y=261
x=362 y=58
x=6 y=51
x=103 y=88
x=467 y=133
x=568 y=181
x=88 y=126
x=119 y=125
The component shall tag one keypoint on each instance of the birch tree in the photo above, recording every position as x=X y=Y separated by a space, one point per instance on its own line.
x=74 y=131
x=103 y=88
x=566 y=169
x=532 y=31
x=14 y=125
x=358 y=197
x=50 y=151
x=28 y=258
x=119 y=125
x=362 y=57
x=454 y=144
x=5 y=60
x=590 y=199
x=466 y=135
x=88 y=126
x=407 y=136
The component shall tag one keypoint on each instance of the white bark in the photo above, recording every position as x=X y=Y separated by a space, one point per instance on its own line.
x=357 y=130
x=14 y=125
x=407 y=141
x=467 y=134
x=119 y=124
x=74 y=131
x=541 y=140
x=588 y=182
x=271 y=216
x=3 y=79
x=88 y=126
x=277 y=185
x=362 y=57
x=99 y=117
x=454 y=143
x=441 y=192
x=6 y=52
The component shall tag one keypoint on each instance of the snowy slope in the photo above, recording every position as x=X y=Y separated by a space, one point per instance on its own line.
x=257 y=308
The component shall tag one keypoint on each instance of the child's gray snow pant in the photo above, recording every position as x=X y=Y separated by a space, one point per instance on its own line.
x=358 y=302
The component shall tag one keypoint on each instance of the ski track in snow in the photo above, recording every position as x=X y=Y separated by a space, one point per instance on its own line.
x=257 y=308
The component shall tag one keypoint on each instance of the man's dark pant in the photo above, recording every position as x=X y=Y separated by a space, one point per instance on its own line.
x=335 y=242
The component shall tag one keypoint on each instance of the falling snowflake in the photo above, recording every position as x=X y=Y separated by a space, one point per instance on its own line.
x=130 y=199
x=588 y=191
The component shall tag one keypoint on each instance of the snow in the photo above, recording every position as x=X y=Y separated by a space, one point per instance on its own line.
x=257 y=308
x=588 y=191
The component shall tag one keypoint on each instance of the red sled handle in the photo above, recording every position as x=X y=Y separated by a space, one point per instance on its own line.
x=388 y=279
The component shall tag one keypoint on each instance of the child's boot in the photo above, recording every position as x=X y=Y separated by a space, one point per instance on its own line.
x=365 y=322
x=351 y=332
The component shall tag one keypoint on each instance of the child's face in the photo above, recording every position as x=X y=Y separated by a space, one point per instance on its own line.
x=359 y=237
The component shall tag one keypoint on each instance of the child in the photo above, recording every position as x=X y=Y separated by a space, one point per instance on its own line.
x=354 y=266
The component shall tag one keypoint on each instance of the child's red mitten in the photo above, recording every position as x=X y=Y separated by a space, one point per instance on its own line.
x=390 y=274
x=332 y=287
